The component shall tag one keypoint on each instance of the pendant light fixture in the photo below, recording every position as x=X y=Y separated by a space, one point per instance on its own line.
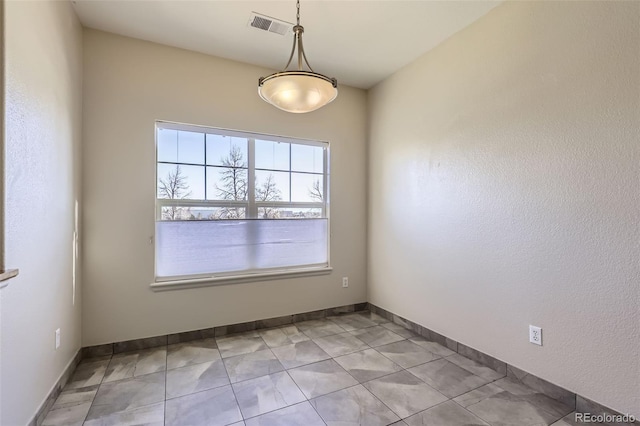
x=300 y=90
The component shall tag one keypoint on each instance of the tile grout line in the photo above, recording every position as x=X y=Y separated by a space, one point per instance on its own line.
x=166 y=373
x=385 y=375
x=361 y=384
x=102 y=382
x=427 y=384
x=307 y=400
x=316 y=362
x=469 y=371
x=97 y=390
x=235 y=397
x=453 y=398
x=433 y=406
x=312 y=406
x=231 y=384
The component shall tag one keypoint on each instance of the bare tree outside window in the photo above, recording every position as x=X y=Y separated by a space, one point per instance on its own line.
x=234 y=188
x=268 y=191
x=315 y=192
x=234 y=184
x=175 y=187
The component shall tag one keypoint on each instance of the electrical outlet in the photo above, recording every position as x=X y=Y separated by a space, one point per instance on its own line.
x=345 y=282
x=535 y=335
x=57 y=338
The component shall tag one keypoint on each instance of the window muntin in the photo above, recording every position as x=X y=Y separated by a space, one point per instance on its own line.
x=230 y=202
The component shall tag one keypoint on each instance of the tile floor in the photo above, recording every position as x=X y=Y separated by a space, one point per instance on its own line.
x=354 y=369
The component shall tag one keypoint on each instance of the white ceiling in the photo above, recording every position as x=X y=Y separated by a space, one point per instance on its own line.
x=359 y=42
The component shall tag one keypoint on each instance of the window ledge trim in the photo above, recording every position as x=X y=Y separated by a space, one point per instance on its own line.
x=6 y=275
x=240 y=278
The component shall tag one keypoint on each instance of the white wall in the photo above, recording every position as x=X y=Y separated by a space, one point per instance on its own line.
x=43 y=130
x=503 y=173
x=128 y=85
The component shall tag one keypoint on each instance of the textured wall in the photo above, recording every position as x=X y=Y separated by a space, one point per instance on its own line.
x=128 y=85
x=43 y=129
x=503 y=176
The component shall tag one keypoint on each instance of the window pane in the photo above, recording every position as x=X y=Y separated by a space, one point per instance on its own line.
x=272 y=186
x=168 y=145
x=226 y=151
x=178 y=182
x=225 y=183
x=272 y=155
x=306 y=188
x=201 y=213
x=288 y=213
x=190 y=147
x=307 y=158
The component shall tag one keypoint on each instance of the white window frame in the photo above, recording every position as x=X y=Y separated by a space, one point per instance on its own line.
x=251 y=209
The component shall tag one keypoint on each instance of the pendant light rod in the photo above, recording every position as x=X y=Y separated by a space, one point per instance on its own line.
x=297 y=42
x=293 y=50
x=299 y=50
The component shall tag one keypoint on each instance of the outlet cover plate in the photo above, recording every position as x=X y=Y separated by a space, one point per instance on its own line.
x=345 y=282
x=535 y=335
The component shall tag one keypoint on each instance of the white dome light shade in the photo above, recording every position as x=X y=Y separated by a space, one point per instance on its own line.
x=298 y=91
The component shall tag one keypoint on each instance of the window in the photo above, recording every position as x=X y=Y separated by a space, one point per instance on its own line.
x=231 y=203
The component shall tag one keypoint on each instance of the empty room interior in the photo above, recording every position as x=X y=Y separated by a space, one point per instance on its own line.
x=320 y=213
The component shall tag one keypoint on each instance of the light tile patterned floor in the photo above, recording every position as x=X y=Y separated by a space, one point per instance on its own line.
x=353 y=369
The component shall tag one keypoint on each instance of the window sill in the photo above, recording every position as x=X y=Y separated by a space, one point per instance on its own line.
x=6 y=275
x=235 y=279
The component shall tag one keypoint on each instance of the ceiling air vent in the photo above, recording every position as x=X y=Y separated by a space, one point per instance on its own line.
x=267 y=23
